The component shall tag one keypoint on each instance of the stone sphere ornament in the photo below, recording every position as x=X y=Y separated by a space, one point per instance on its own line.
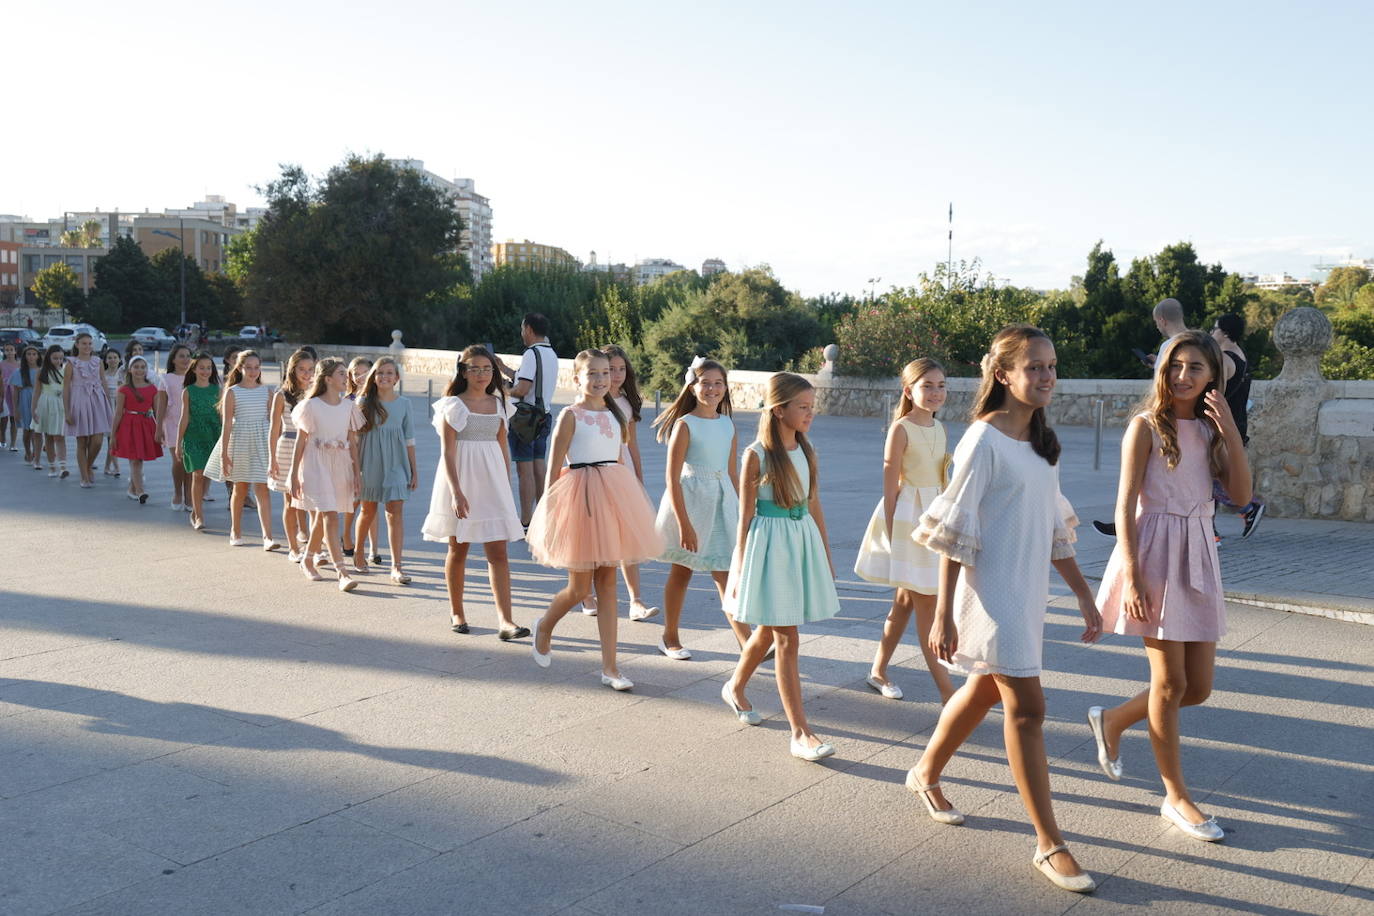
x=1302 y=335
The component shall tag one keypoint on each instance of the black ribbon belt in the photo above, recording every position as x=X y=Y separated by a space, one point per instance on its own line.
x=586 y=497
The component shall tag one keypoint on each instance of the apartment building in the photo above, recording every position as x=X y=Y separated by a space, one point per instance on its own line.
x=530 y=254
x=475 y=210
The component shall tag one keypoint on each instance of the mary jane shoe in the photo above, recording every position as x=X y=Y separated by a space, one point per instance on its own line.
x=616 y=681
x=1207 y=831
x=819 y=752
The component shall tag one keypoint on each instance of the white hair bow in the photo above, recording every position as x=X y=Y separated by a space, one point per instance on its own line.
x=691 y=375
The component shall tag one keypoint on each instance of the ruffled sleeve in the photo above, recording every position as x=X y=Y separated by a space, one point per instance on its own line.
x=450 y=411
x=950 y=526
x=304 y=417
x=1065 y=525
x=355 y=417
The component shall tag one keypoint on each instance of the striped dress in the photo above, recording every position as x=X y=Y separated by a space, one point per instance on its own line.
x=248 y=438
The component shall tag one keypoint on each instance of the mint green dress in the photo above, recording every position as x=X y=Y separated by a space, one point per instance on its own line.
x=708 y=495
x=784 y=579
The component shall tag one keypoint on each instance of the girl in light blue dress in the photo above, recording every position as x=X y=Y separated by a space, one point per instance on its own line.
x=782 y=575
x=388 y=460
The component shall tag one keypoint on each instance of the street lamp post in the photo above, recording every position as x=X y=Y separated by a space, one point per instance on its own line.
x=181 y=223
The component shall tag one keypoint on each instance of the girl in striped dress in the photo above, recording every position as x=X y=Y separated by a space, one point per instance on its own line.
x=300 y=369
x=243 y=454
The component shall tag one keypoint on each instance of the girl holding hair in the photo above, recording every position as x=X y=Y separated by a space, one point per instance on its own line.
x=198 y=430
x=135 y=431
x=49 y=416
x=781 y=575
x=699 y=513
x=914 y=464
x=324 y=464
x=358 y=368
x=387 y=456
x=472 y=502
x=1163 y=582
x=168 y=410
x=998 y=526
x=300 y=372
x=23 y=383
x=112 y=374
x=242 y=456
x=87 y=407
x=594 y=514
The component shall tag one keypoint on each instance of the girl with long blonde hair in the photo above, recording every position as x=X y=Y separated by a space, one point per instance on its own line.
x=358 y=368
x=295 y=385
x=242 y=456
x=387 y=455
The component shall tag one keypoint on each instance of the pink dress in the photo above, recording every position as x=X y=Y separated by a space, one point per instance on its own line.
x=1177 y=553
x=171 y=384
x=327 y=465
x=91 y=409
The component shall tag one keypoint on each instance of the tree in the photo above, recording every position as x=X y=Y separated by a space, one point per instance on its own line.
x=87 y=235
x=238 y=257
x=131 y=294
x=369 y=248
x=54 y=284
x=1341 y=287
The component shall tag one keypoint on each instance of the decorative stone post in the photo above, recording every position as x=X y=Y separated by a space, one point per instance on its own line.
x=1284 y=442
x=831 y=353
x=396 y=346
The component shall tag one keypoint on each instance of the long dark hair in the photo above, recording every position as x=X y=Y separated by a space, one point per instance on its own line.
x=45 y=374
x=25 y=377
x=170 y=367
x=1008 y=344
x=191 y=370
x=1158 y=405
x=292 y=390
x=629 y=389
x=459 y=383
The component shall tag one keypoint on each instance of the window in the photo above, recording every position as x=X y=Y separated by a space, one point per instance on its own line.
x=76 y=262
x=33 y=263
x=50 y=259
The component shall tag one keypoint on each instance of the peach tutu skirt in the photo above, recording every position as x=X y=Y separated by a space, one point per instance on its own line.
x=594 y=516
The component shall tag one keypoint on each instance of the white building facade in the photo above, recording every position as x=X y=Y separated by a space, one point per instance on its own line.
x=647 y=270
x=475 y=210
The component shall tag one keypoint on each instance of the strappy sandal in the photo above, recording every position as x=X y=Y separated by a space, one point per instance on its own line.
x=950 y=815
x=399 y=577
x=1079 y=884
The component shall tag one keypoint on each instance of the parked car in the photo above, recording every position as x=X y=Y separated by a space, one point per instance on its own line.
x=21 y=338
x=258 y=335
x=154 y=338
x=64 y=336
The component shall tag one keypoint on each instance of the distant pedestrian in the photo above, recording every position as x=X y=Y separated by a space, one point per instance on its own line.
x=532 y=385
x=386 y=444
x=358 y=368
x=49 y=416
x=168 y=409
x=1228 y=332
x=914 y=468
x=112 y=376
x=87 y=407
x=243 y=454
x=198 y=429
x=134 y=431
x=999 y=525
x=594 y=515
x=324 y=465
x=1163 y=581
x=295 y=386
x=471 y=502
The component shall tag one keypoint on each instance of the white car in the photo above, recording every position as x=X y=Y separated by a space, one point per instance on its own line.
x=154 y=338
x=64 y=336
x=250 y=332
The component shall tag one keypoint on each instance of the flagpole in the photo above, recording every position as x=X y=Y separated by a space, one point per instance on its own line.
x=949 y=257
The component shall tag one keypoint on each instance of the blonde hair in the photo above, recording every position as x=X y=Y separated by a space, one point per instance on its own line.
x=324 y=368
x=374 y=411
x=783 y=388
x=686 y=400
x=353 y=387
x=1008 y=344
x=579 y=366
x=912 y=373
x=1158 y=405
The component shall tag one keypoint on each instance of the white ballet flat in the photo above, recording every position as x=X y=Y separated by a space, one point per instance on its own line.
x=819 y=752
x=589 y=611
x=176 y=507
x=346 y=584
x=747 y=716
x=1112 y=768
x=950 y=815
x=616 y=682
x=1207 y=831
x=889 y=690
x=542 y=659
x=680 y=655
x=235 y=541
x=1079 y=884
x=640 y=611
x=269 y=544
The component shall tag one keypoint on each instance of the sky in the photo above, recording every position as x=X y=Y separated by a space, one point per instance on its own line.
x=825 y=140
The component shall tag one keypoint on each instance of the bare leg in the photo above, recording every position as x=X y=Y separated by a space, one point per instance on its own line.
x=742 y=631
x=374 y=537
x=198 y=484
x=83 y=456
x=289 y=522
x=498 y=575
x=750 y=657
x=111 y=464
x=925 y=619
x=607 y=622
x=264 y=500
x=181 y=484
x=788 y=675
x=93 y=444
x=237 y=497
x=364 y=518
x=455 y=569
x=961 y=715
x=395 y=533
x=893 y=629
x=524 y=473
x=349 y=517
x=331 y=531
x=136 y=476
x=579 y=584
x=674 y=594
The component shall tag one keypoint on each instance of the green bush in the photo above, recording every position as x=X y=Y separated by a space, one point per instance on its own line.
x=1348 y=359
x=877 y=340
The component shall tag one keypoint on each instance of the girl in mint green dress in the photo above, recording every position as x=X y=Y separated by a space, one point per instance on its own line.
x=781 y=576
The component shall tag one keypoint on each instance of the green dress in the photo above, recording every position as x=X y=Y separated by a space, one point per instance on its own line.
x=383 y=455
x=784 y=579
x=202 y=429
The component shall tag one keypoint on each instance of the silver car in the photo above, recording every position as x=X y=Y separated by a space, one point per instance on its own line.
x=154 y=338
x=64 y=336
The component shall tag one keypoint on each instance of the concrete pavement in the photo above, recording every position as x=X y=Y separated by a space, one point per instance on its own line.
x=187 y=727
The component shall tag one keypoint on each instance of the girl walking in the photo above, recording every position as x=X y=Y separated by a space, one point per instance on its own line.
x=914 y=464
x=387 y=441
x=199 y=430
x=998 y=526
x=300 y=371
x=699 y=514
x=358 y=368
x=781 y=575
x=23 y=383
x=472 y=502
x=324 y=465
x=135 y=430
x=1163 y=582
x=87 y=407
x=594 y=514
x=112 y=374
x=242 y=455
x=168 y=409
x=49 y=416
x=9 y=416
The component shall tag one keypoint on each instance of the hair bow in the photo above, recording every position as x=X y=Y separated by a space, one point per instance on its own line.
x=691 y=375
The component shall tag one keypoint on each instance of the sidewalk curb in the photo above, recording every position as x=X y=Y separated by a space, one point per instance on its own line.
x=1333 y=606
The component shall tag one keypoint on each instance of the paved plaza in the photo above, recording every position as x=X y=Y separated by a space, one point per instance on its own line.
x=187 y=728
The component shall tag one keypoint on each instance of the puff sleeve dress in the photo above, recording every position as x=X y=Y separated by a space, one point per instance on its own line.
x=482 y=475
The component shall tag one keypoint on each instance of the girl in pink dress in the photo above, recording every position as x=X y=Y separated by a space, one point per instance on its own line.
x=135 y=432
x=168 y=410
x=112 y=371
x=1163 y=582
x=87 y=406
x=325 y=474
x=594 y=515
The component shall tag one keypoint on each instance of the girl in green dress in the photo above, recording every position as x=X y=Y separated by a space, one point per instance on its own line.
x=198 y=430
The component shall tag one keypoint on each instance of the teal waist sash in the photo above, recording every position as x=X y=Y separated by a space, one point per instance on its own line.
x=769 y=509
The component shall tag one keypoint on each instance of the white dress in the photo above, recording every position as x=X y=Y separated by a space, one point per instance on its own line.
x=1003 y=518
x=483 y=475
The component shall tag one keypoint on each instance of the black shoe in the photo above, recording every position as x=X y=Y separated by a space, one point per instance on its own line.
x=1252 y=518
x=460 y=628
x=375 y=559
x=348 y=551
x=1106 y=529
x=517 y=633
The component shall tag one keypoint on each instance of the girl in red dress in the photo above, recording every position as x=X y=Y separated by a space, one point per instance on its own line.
x=135 y=425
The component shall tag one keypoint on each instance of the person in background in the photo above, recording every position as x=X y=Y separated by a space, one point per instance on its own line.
x=1228 y=332
x=529 y=457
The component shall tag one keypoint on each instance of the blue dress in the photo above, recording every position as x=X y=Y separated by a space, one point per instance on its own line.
x=385 y=461
x=708 y=496
x=784 y=578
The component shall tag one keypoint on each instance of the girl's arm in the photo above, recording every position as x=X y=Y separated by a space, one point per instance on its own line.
x=1087 y=602
x=893 y=453
x=118 y=415
x=944 y=635
x=1236 y=474
x=558 y=451
x=731 y=463
x=678 y=440
x=1135 y=454
x=294 y=482
x=226 y=462
x=819 y=515
x=409 y=433
x=354 y=452
x=185 y=419
x=632 y=441
x=274 y=433
x=37 y=392
x=159 y=413
x=67 y=391
x=748 y=496
x=448 y=454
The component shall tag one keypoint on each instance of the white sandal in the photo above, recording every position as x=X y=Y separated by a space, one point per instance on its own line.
x=950 y=815
x=1079 y=884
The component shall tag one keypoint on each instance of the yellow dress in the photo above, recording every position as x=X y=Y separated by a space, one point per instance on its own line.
x=899 y=561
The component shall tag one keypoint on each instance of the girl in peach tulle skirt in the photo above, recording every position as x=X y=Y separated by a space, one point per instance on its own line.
x=594 y=515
